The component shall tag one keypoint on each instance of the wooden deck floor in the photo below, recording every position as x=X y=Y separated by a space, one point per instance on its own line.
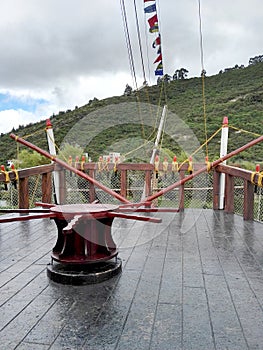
x=193 y=282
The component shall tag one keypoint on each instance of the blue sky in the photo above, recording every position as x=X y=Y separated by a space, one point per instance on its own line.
x=26 y=103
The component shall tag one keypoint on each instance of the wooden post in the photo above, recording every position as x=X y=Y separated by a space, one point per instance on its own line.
x=124 y=183
x=23 y=193
x=148 y=181
x=62 y=184
x=216 y=180
x=229 y=194
x=46 y=188
x=248 y=209
x=92 y=194
x=181 y=191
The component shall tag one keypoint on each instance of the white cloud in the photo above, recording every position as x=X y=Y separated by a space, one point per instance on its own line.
x=14 y=118
x=67 y=52
x=61 y=98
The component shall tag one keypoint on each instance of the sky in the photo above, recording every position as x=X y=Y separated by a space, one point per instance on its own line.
x=58 y=54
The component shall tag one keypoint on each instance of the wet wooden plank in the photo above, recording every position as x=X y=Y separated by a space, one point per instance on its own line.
x=195 y=281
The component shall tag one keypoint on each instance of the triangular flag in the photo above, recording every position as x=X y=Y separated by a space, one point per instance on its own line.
x=157 y=41
x=160 y=66
x=158 y=59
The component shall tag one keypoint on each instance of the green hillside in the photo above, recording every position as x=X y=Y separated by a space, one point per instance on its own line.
x=121 y=123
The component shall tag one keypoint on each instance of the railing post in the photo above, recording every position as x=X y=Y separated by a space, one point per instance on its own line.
x=229 y=193
x=62 y=184
x=248 y=209
x=124 y=183
x=46 y=188
x=181 y=191
x=92 y=194
x=23 y=200
x=148 y=181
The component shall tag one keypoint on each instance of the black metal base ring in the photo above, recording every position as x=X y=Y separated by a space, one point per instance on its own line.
x=77 y=274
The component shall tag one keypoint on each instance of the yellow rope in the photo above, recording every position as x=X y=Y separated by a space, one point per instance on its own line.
x=252 y=179
x=151 y=137
x=245 y=131
x=53 y=141
x=140 y=113
x=204 y=110
x=137 y=148
x=34 y=191
x=199 y=148
x=34 y=133
x=57 y=148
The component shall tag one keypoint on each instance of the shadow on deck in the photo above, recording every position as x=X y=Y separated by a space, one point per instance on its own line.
x=193 y=282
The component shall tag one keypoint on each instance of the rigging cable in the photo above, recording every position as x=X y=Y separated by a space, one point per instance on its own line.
x=203 y=72
x=139 y=40
x=128 y=43
x=130 y=54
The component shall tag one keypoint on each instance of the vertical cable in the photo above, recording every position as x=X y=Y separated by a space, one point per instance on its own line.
x=128 y=43
x=139 y=40
x=203 y=72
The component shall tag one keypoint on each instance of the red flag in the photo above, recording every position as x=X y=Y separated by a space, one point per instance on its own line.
x=152 y=21
x=156 y=42
x=158 y=59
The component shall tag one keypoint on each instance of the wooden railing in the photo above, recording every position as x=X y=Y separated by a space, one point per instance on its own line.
x=249 y=189
x=45 y=171
x=231 y=173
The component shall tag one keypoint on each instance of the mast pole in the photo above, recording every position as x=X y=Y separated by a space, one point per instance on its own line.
x=159 y=133
x=52 y=150
x=156 y=143
x=223 y=152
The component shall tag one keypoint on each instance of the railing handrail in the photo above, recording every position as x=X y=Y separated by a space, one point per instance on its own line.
x=250 y=179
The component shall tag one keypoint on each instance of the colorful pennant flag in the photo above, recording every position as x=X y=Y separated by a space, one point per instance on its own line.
x=160 y=66
x=159 y=72
x=158 y=59
x=159 y=69
x=156 y=42
x=154 y=29
x=149 y=9
x=153 y=20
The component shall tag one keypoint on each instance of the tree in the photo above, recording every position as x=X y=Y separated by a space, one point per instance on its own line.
x=29 y=159
x=256 y=59
x=176 y=74
x=183 y=73
x=180 y=74
x=128 y=90
x=167 y=78
x=203 y=73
